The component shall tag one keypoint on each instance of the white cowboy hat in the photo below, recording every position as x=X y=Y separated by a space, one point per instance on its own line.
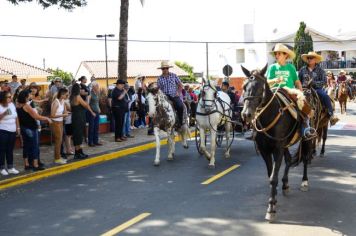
x=279 y=47
x=317 y=57
x=165 y=64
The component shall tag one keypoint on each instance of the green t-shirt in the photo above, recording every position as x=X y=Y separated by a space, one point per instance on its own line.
x=288 y=72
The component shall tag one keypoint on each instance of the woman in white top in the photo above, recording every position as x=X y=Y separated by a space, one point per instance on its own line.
x=58 y=111
x=9 y=125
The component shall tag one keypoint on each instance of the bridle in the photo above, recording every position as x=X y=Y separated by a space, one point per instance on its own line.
x=203 y=93
x=261 y=108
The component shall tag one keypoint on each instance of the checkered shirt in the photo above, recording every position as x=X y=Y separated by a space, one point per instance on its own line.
x=169 y=85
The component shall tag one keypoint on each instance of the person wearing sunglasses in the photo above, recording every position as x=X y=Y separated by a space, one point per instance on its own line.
x=172 y=87
x=312 y=71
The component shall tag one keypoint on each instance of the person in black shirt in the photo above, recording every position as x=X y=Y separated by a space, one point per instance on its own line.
x=119 y=108
x=84 y=90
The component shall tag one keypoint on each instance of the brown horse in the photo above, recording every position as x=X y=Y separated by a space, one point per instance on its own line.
x=342 y=97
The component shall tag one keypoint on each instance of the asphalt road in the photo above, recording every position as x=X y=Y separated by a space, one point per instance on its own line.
x=96 y=199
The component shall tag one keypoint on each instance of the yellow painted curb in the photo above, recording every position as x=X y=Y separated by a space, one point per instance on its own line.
x=76 y=165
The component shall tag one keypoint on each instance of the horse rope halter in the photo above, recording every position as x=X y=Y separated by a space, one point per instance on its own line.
x=260 y=109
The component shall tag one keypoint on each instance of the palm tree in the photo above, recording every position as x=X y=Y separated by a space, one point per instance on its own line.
x=124 y=18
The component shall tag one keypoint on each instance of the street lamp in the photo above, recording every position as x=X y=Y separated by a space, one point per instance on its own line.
x=106 y=54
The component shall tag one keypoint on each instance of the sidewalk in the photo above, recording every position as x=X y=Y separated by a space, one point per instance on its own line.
x=109 y=146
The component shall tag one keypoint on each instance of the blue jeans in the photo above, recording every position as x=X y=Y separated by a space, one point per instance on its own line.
x=7 y=144
x=93 y=136
x=30 y=143
x=127 y=124
x=325 y=100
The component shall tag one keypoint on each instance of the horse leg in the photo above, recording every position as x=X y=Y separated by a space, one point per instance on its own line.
x=212 y=148
x=287 y=159
x=227 y=135
x=158 y=146
x=306 y=156
x=202 y=144
x=184 y=135
x=171 y=144
x=325 y=134
x=271 y=210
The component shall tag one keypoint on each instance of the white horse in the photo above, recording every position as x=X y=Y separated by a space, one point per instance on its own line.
x=213 y=109
x=164 y=118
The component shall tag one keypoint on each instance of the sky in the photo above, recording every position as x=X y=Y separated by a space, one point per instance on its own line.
x=170 y=20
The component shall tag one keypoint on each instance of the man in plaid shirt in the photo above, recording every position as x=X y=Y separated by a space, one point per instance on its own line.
x=171 y=86
x=313 y=71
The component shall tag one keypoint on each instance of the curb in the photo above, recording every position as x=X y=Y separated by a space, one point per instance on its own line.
x=52 y=171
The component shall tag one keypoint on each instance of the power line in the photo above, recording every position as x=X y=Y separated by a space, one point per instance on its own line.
x=167 y=41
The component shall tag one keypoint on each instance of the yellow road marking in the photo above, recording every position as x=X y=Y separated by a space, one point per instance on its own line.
x=127 y=224
x=221 y=174
x=11 y=182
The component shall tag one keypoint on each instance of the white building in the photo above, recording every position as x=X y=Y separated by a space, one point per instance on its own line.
x=338 y=52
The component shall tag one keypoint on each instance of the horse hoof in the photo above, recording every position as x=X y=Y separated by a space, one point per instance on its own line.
x=285 y=191
x=227 y=155
x=170 y=158
x=211 y=167
x=156 y=163
x=321 y=155
x=271 y=217
x=304 y=188
x=186 y=146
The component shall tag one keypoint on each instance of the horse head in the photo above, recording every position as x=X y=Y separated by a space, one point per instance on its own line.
x=254 y=88
x=208 y=95
x=152 y=98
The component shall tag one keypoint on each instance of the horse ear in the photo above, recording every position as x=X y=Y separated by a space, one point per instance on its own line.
x=264 y=69
x=246 y=71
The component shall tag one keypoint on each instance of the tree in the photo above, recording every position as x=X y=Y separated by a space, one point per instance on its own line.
x=124 y=18
x=303 y=43
x=187 y=68
x=65 y=4
x=65 y=76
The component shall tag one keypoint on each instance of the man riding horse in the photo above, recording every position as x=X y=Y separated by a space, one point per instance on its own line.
x=312 y=71
x=343 y=79
x=170 y=84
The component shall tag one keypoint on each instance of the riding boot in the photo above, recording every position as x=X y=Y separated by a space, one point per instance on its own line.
x=333 y=119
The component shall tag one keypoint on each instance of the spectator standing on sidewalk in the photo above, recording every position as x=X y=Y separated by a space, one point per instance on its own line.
x=58 y=112
x=119 y=108
x=93 y=137
x=28 y=124
x=79 y=107
x=14 y=84
x=55 y=87
x=129 y=98
x=9 y=125
x=68 y=128
x=85 y=93
x=141 y=109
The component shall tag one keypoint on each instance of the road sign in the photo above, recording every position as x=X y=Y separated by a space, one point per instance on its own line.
x=227 y=70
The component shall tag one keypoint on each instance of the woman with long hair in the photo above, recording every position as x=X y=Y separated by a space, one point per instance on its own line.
x=28 y=124
x=79 y=107
x=58 y=112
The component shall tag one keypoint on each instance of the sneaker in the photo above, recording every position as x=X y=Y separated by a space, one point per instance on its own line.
x=333 y=120
x=4 y=172
x=13 y=171
x=60 y=161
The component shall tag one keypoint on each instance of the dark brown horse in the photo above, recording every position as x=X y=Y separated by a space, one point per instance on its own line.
x=276 y=129
x=342 y=96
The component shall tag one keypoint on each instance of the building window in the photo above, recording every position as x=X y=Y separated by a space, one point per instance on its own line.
x=240 y=55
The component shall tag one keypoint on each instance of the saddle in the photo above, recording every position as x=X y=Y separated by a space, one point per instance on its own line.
x=288 y=96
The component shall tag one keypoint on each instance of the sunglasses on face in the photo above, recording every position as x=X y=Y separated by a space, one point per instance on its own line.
x=310 y=58
x=165 y=68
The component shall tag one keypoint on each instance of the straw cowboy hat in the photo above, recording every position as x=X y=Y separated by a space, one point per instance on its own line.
x=165 y=64
x=279 y=47
x=317 y=57
x=342 y=72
